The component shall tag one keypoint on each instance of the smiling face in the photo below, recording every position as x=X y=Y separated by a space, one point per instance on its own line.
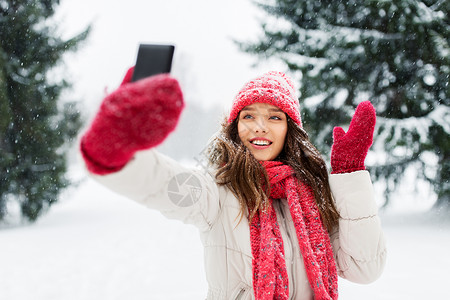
x=262 y=129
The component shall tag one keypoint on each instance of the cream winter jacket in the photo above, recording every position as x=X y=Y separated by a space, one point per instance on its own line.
x=193 y=197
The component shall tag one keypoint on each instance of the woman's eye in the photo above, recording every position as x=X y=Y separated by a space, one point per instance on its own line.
x=275 y=118
x=247 y=117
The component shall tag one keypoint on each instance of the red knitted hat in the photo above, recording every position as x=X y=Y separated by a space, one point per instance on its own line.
x=274 y=88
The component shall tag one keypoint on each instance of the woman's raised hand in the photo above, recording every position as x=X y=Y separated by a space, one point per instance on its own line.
x=350 y=149
x=138 y=115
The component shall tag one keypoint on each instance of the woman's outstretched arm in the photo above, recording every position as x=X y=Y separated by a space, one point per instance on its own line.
x=117 y=151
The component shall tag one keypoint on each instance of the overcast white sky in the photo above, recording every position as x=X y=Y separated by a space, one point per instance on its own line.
x=208 y=64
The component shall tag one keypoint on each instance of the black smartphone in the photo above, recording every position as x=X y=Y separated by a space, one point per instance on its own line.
x=153 y=59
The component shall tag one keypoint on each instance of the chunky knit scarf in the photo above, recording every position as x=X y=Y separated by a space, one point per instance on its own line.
x=270 y=280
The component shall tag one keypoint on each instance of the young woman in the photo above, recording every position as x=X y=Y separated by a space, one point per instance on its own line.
x=273 y=223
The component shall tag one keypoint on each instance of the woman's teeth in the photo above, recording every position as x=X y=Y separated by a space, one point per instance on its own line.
x=260 y=142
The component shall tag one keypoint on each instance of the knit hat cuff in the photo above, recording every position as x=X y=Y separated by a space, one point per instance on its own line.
x=270 y=96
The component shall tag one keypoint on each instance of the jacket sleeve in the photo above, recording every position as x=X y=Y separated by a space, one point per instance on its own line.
x=359 y=245
x=160 y=183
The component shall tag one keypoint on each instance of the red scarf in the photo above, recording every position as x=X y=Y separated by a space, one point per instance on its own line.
x=270 y=280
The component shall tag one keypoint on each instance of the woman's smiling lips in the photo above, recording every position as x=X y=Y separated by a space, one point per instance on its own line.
x=260 y=143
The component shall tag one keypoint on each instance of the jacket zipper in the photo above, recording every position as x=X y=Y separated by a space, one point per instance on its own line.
x=240 y=294
x=290 y=245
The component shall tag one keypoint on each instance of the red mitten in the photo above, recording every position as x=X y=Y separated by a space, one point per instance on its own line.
x=350 y=149
x=138 y=115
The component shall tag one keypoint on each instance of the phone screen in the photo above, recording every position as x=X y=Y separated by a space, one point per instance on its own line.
x=153 y=59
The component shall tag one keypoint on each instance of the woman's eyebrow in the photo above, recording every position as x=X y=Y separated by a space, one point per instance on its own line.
x=275 y=109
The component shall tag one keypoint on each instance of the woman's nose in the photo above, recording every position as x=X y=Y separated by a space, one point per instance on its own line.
x=260 y=125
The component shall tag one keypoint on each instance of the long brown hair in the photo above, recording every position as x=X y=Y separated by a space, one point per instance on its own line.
x=238 y=169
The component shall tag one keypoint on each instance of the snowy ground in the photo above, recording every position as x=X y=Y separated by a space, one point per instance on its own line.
x=97 y=245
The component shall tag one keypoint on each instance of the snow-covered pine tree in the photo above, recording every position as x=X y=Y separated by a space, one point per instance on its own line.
x=35 y=125
x=394 y=53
